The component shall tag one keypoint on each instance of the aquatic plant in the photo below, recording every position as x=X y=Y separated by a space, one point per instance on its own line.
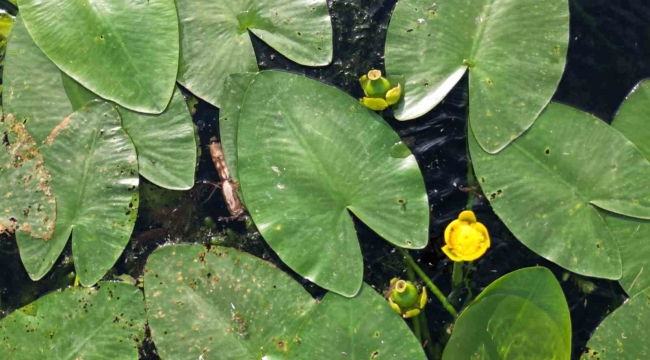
x=91 y=103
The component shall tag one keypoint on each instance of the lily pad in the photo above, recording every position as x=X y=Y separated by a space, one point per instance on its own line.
x=299 y=30
x=136 y=42
x=550 y=202
x=165 y=142
x=633 y=238
x=522 y=315
x=39 y=94
x=633 y=235
x=324 y=155
x=624 y=334
x=234 y=91
x=359 y=328
x=224 y=304
x=94 y=173
x=515 y=52
x=32 y=85
x=26 y=202
x=100 y=323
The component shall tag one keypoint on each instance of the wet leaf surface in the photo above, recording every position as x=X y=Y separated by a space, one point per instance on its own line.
x=224 y=304
x=515 y=51
x=301 y=30
x=42 y=95
x=165 y=142
x=521 y=316
x=551 y=202
x=633 y=235
x=32 y=85
x=234 y=91
x=324 y=156
x=136 y=42
x=100 y=323
x=94 y=172
x=26 y=201
x=624 y=334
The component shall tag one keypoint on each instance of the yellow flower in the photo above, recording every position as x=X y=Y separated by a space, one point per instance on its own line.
x=466 y=239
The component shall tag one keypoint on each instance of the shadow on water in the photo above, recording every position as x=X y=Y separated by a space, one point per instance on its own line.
x=607 y=56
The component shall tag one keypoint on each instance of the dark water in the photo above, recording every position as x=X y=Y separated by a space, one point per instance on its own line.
x=608 y=55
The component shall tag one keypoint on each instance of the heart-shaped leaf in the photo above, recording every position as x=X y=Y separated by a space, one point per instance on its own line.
x=39 y=94
x=633 y=238
x=165 y=142
x=624 y=334
x=26 y=202
x=135 y=41
x=224 y=304
x=32 y=85
x=234 y=91
x=300 y=30
x=633 y=235
x=549 y=202
x=522 y=315
x=307 y=155
x=515 y=52
x=100 y=323
x=94 y=173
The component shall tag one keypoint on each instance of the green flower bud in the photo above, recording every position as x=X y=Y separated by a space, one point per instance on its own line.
x=374 y=85
x=376 y=104
x=393 y=95
x=405 y=298
x=404 y=294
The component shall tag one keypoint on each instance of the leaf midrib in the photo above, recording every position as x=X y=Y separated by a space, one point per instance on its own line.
x=98 y=14
x=480 y=31
x=84 y=180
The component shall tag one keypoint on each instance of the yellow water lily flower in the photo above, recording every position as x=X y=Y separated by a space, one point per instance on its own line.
x=465 y=238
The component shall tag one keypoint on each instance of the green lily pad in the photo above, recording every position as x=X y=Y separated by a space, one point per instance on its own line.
x=624 y=334
x=32 y=85
x=633 y=238
x=26 y=202
x=324 y=155
x=632 y=235
x=633 y=117
x=94 y=172
x=106 y=322
x=224 y=304
x=165 y=142
x=515 y=52
x=550 y=202
x=522 y=315
x=234 y=91
x=299 y=30
x=359 y=328
x=38 y=93
x=136 y=42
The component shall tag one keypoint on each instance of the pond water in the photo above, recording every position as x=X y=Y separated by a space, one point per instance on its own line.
x=608 y=54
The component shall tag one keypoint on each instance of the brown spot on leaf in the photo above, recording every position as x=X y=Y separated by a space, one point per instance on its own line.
x=62 y=126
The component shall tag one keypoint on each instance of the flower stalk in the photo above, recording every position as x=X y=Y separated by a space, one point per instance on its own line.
x=427 y=281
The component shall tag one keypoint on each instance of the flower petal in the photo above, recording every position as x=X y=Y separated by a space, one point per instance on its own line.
x=449 y=229
x=453 y=257
x=467 y=216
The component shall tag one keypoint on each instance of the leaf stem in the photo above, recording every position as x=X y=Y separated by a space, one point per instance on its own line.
x=434 y=289
x=417 y=330
x=426 y=335
x=471 y=179
x=457 y=274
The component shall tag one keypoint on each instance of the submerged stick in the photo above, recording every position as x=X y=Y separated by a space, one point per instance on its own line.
x=228 y=186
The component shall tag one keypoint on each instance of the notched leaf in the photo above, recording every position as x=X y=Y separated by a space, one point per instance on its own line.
x=26 y=203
